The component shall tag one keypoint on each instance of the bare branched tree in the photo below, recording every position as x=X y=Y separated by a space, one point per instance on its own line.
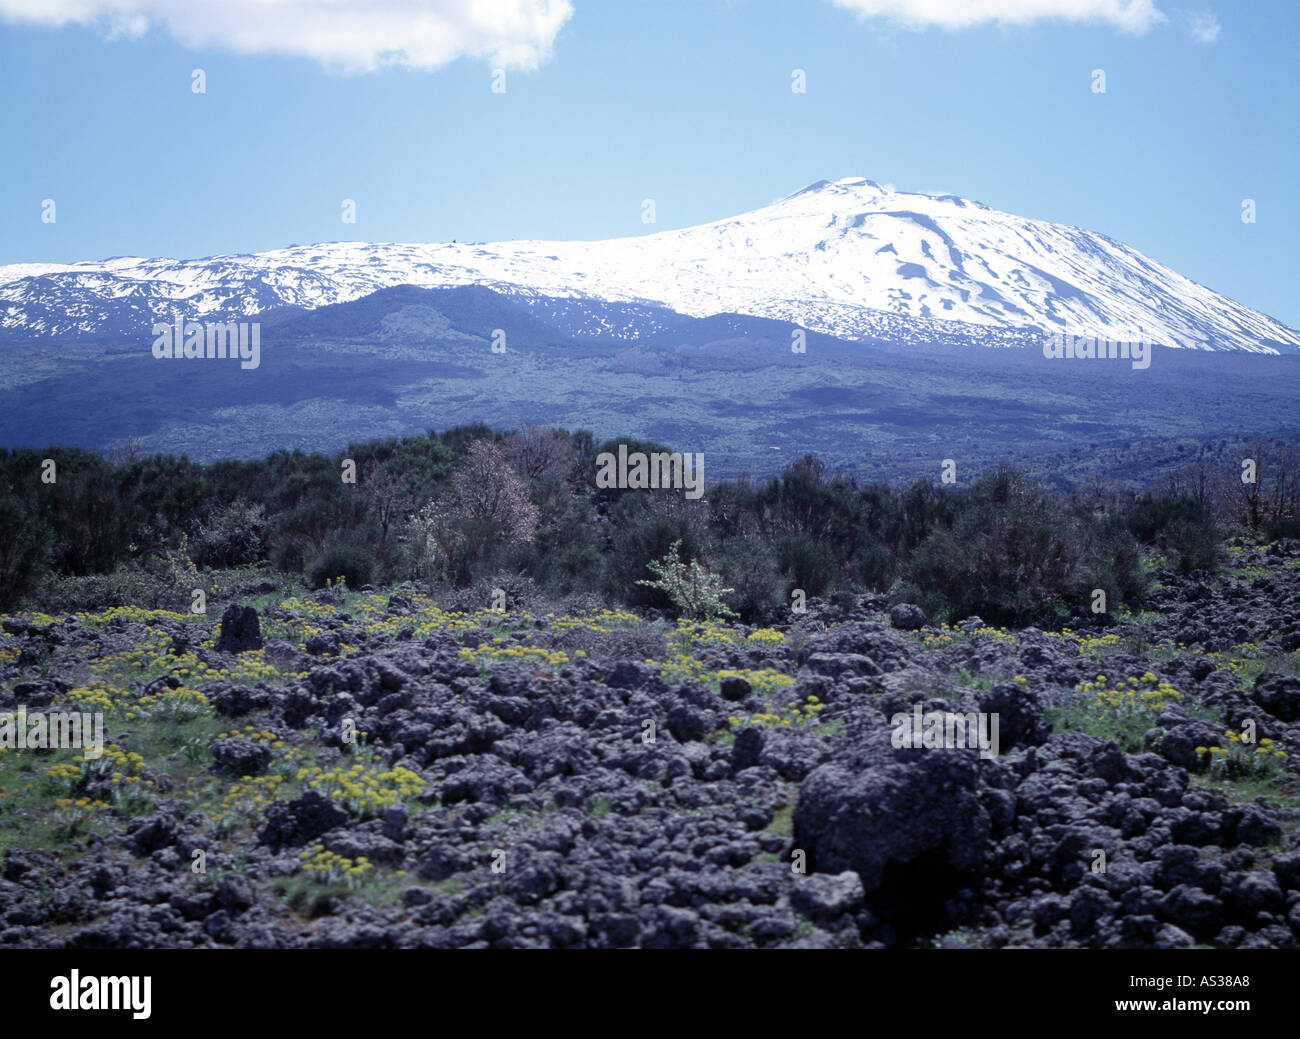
x=538 y=452
x=125 y=451
x=387 y=497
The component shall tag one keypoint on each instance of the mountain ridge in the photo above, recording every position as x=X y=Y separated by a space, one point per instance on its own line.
x=849 y=258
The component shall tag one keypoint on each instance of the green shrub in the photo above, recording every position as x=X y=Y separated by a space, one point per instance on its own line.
x=1011 y=555
x=759 y=590
x=639 y=539
x=24 y=547
x=125 y=586
x=1282 y=528
x=868 y=563
x=808 y=564
x=1111 y=561
x=353 y=563
x=1179 y=527
x=570 y=569
x=232 y=536
x=1191 y=546
x=934 y=605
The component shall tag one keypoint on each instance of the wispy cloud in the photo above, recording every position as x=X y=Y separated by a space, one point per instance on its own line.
x=344 y=35
x=1203 y=26
x=1133 y=16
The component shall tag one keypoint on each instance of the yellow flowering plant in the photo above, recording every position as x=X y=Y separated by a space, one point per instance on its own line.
x=1242 y=760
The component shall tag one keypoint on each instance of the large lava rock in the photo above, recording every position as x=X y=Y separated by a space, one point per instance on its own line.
x=907 y=616
x=1279 y=695
x=883 y=647
x=297 y=822
x=884 y=806
x=1020 y=715
x=240 y=630
x=240 y=757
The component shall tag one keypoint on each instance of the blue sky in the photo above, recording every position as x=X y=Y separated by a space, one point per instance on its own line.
x=689 y=103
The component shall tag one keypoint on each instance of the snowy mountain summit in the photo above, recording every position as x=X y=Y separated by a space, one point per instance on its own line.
x=849 y=258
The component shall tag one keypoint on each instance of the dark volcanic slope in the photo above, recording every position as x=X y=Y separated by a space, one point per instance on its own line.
x=406 y=360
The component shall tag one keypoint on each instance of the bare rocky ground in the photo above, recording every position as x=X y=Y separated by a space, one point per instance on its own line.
x=505 y=794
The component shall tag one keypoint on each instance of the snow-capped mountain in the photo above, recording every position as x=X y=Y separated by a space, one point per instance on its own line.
x=849 y=258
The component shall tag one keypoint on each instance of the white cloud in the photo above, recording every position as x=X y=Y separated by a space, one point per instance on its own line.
x=346 y=35
x=1134 y=16
x=1203 y=26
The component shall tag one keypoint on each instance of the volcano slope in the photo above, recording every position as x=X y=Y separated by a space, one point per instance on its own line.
x=366 y=769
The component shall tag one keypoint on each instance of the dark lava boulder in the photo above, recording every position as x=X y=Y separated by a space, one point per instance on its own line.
x=240 y=757
x=885 y=648
x=151 y=834
x=1279 y=695
x=241 y=630
x=735 y=688
x=1019 y=713
x=296 y=822
x=907 y=616
x=1177 y=743
x=884 y=806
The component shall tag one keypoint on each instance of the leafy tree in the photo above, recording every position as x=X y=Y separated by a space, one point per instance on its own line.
x=693 y=590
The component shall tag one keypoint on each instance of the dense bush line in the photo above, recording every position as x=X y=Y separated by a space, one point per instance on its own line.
x=472 y=508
